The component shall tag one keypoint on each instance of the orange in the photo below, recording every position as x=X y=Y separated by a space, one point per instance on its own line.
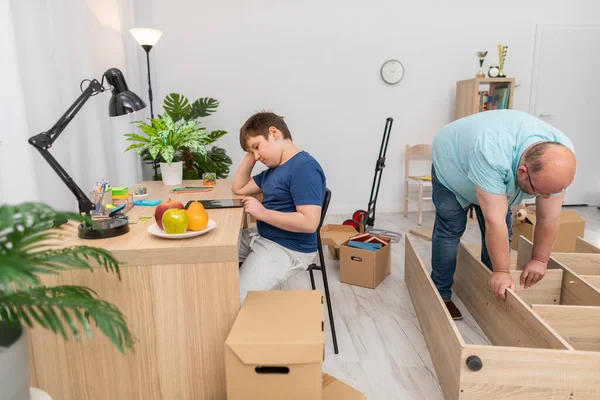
x=197 y=217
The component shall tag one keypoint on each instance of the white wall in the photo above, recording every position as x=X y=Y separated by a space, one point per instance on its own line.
x=17 y=176
x=317 y=63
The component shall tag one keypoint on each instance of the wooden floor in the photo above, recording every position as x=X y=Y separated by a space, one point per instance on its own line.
x=381 y=349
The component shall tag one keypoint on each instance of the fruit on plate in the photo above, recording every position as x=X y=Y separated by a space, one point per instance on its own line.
x=164 y=206
x=197 y=216
x=175 y=221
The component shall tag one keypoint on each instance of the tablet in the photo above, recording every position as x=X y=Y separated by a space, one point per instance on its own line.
x=211 y=204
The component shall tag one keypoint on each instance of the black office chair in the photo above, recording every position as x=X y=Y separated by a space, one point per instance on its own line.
x=321 y=267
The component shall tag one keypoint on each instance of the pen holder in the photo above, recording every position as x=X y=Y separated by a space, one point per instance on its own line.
x=128 y=201
x=101 y=200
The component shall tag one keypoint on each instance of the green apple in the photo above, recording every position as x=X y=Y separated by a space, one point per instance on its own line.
x=175 y=221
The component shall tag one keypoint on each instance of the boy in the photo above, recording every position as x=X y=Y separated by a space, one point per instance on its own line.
x=293 y=189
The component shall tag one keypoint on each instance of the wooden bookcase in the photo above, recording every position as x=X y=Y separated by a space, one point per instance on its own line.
x=467 y=94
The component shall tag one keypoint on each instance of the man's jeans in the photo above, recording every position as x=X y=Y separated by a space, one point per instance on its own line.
x=450 y=224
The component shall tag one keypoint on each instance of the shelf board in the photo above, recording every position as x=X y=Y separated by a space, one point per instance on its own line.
x=490 y=80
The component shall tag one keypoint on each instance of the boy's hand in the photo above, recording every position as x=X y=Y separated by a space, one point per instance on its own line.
x=253 y=207
x=250 y=157
x=499 y=282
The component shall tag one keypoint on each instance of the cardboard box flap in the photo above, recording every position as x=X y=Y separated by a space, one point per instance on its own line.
x=334 y=389
x=279 y=328
x=566 y=217
x=335 y=235
x=278 y=354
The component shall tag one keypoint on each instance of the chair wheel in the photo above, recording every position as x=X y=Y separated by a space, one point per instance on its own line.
x=352 y=223
x=359 y=213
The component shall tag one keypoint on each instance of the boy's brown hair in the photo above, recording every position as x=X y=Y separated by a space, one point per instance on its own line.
x=259 y=124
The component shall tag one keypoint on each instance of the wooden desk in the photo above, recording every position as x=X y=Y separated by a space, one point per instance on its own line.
x=180 y=298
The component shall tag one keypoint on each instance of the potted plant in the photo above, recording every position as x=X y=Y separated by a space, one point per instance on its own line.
x=195 y=164
x=165 y=139
x=26 y=230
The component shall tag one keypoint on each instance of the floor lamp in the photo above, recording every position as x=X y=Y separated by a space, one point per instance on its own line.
x=147 y=38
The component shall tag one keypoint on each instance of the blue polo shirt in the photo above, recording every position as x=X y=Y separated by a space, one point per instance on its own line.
x=299 y=181
x=484 y=149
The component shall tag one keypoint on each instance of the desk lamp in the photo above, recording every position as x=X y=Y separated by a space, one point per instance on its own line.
x=122 y=102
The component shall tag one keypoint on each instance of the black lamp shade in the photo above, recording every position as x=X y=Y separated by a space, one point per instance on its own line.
x=123 y=101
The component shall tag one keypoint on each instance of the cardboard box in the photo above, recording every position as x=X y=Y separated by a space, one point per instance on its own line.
x=334 y=389
x=364 y=267
x=572 y=225
x=275 y=348
x=334 y=235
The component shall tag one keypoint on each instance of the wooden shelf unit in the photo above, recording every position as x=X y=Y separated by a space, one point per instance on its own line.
x=467 y=94
x=545 y=340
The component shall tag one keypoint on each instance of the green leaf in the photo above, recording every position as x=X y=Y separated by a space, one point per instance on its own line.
x=203 y=107
x=168 y=121
x=158 y=125
x=154 y=150
x=168 y=153
x=177 y=106
x=135 y=146
x=214 y=135
x=137 y=138
x=52 y=307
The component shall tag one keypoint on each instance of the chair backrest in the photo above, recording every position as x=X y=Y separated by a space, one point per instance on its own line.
x=418 y=151
x=325 y=207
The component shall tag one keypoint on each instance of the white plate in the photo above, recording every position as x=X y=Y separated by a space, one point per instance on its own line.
x=156 y=231
x=140 y=196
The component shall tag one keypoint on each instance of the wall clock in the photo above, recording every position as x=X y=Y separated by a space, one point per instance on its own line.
x=392 y=72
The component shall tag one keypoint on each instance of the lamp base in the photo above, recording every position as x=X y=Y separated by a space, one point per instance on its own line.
x=104 y=229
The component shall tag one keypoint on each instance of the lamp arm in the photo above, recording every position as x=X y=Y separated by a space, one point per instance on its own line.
x=85 y=204
x=43 y=141
x=93 y=88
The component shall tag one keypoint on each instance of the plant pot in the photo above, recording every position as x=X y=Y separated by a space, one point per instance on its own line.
x=172 y=174
x=14 y=363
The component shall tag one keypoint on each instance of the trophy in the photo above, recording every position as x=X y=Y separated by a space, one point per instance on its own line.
x=501 y=59
x=481 y=55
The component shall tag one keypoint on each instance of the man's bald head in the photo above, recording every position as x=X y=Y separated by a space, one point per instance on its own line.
x=551 y=167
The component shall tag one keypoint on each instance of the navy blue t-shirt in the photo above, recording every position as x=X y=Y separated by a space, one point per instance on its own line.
x=297 y=182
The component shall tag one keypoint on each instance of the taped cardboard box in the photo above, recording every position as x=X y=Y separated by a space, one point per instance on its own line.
x=333 y=235
x=571 y=226
x=275 y=348
x=334 y=389
x=364 y=268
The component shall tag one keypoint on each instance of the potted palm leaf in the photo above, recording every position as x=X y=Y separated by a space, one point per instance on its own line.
x=26 y=233
x=167 y=140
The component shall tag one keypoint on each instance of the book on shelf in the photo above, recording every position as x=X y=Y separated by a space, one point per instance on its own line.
x=500 y=100
x=484 y=100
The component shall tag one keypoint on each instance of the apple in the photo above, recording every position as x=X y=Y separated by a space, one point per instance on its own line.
x=175 y=221
x=164 y=206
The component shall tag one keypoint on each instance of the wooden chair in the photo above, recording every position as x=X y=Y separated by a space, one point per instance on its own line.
x=321 y=267
x=418 y=151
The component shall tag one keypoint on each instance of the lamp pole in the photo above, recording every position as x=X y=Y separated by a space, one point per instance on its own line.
x=148 y=47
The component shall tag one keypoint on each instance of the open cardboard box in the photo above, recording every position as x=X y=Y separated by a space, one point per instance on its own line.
x=334 y=235
x=275 y=348
x=364 y=268
x=572 y=226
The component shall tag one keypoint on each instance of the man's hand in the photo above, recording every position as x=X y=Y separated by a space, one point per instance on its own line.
x=254 y=207
x=533 y=272
x=499 y=282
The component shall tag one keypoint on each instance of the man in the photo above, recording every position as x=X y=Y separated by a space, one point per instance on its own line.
x=492 y=161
